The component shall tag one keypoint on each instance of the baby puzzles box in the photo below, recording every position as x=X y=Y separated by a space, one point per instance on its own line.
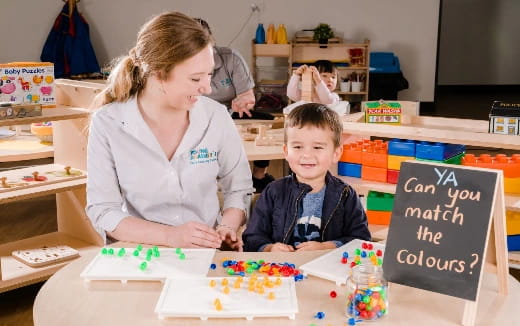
x=28 y=82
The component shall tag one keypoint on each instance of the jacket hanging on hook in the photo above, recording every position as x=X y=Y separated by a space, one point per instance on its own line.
x=68 y=45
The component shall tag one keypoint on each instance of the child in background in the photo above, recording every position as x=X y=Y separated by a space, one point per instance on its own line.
x=311 y=209
x=325 y=79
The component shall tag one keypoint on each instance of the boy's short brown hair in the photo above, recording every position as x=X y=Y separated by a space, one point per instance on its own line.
x=316 y=115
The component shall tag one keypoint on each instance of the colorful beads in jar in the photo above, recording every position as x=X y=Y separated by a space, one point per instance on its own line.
x=367 y=293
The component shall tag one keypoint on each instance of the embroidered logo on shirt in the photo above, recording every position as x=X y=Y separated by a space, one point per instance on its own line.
x=225 y=82
x=202 y=155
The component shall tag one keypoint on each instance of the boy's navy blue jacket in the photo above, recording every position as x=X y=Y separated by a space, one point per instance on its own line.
x=279 y=206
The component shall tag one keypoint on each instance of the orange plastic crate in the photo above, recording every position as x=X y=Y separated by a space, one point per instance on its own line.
x=375 y=155
x=373 y=174
x=510 y=165
x=379 y=217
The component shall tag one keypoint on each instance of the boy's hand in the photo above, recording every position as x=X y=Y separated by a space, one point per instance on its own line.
x=230 y=238
x=279 y=247
x=315 y=245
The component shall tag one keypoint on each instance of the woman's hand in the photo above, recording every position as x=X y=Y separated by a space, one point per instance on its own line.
x=278 y=247
x=193 y=235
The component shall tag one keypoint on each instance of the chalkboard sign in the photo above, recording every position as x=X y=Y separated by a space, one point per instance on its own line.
x=439 y=228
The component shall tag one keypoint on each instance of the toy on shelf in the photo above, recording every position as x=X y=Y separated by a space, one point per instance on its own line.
x=45 y=256
x=47 y=174
x=11 y=110
x=510 y=166
x=28 y=82
x=42 y=130
x=383 y=112
x=504 y=118
x=379 y=207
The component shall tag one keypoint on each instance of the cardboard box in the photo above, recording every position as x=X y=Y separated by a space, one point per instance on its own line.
x=12 y=111
x=383 y=112
x=28 y=83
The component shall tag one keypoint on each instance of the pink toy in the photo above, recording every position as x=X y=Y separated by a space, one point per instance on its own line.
x=46 y=90
x=8 y=88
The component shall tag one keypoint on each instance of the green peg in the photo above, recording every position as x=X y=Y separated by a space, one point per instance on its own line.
x=143 y=266
x=104 y=251
x=111 y=251
x=182 y=256
x=121 y=252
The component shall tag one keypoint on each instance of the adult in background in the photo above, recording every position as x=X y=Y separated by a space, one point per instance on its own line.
x=232 y=85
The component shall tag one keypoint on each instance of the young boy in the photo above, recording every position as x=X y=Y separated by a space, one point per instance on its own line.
x=311 y=209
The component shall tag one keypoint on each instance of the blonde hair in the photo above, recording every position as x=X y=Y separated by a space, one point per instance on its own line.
x=163 y=42
x=316 y=115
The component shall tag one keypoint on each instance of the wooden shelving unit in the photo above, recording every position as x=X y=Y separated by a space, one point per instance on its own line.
x=270 y=51
x=70 y=120
x=338 y=53
x=446 y=130
x=36 y=149
x=24 y=146
x=60 y=112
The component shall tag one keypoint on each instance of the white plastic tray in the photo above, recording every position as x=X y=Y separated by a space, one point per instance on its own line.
x=113 y=267
x=329 y=266
x=195 y=298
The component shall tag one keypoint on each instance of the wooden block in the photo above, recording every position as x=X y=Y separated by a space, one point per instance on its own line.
x=307 y=86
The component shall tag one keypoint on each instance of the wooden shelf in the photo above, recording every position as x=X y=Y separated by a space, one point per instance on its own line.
x=351 y=68
x=447 y=130
x=351 y=93
x=24 y=147
x=512 y=201
x=61 y=112
x=334 y=44
x=7 y=196
x=30 y=147
x=272 y=50
x=16 y=274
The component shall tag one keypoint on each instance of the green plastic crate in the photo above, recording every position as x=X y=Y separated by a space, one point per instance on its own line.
x=380 y=201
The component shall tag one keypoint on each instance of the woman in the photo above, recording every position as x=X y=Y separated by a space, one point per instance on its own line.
x=157 y=147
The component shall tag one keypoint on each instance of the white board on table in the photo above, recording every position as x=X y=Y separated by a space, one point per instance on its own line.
x=113 y=267
x=330 y=267
x=195 y=298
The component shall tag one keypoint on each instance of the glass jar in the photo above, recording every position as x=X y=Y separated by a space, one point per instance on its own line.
x=367 y=293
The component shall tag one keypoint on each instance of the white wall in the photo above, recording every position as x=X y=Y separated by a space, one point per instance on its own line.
x=479 y=42
x=406 y=27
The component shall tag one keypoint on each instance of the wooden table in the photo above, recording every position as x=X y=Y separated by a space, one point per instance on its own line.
x=254 y=152
x=66 y=299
